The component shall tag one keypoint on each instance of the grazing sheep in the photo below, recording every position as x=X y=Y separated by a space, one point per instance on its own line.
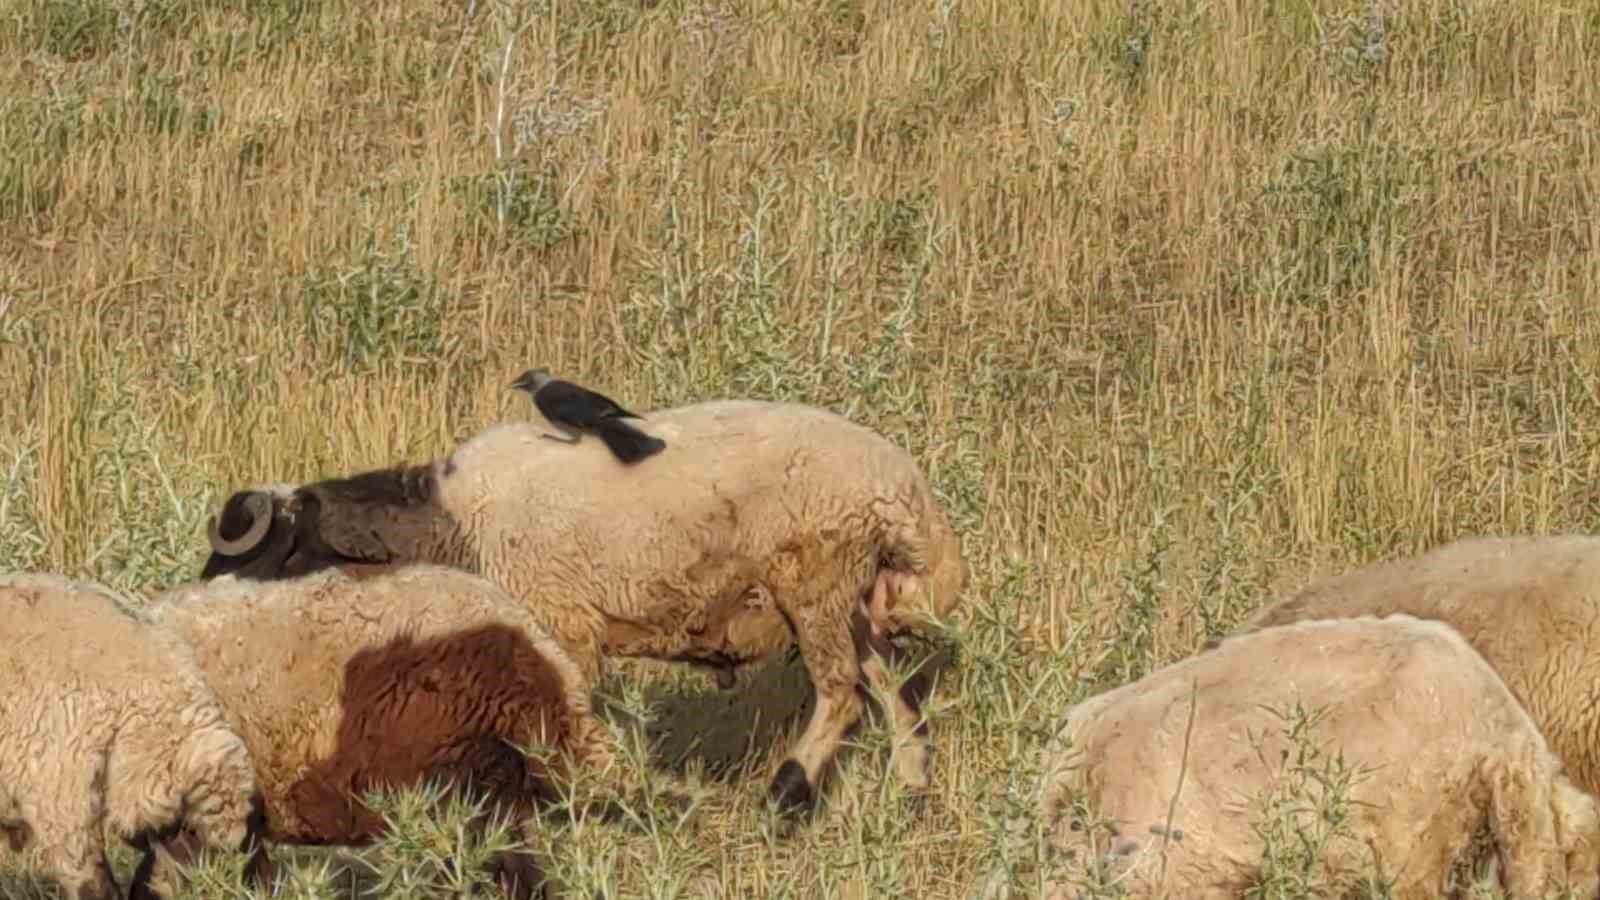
x=1529 y=605
x=767 y=524
x=106 y=723
x=1437 y=746
x=360 y=678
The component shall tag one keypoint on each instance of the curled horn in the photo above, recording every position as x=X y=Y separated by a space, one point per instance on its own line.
x=259 y=507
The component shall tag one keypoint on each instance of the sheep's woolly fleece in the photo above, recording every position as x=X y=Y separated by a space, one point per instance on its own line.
x=342 y=684
x=1529 y=605
x=106 y=723
x=796 y=500
x=660 y=559
x=1436 y=743
x=761 y=525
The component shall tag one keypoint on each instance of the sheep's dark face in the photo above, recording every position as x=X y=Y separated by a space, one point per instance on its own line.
x=267 y=535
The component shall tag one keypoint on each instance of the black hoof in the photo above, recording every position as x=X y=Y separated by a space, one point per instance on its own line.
x=519 y=875
x=790 y=790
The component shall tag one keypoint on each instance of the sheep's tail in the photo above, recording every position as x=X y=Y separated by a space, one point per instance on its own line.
x=628 y=444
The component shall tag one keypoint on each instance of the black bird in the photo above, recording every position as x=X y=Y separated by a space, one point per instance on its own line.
x=574 y=409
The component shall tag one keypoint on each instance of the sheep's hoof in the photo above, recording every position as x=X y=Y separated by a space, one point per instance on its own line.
x=519 y=875
x=790 y=789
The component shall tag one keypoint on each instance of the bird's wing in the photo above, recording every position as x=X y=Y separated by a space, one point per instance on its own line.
x=563 y=401
x=613 y=409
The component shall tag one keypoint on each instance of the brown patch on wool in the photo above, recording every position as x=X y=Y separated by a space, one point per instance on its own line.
x=456 y=707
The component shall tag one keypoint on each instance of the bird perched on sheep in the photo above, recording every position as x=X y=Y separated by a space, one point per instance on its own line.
x=575 y=409
x=1181 y=761
x=342 y=682
x=770 y=524
x=1530 y=605
x=106 y=724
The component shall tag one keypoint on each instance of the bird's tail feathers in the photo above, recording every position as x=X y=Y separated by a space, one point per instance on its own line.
x=628 y=443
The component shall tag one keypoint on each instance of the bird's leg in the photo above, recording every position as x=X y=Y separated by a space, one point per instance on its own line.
x=567 y=436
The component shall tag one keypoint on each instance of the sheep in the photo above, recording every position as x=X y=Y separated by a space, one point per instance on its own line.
x=107 y=723
x=357 y=678
x=1530 y=605
x=1437 y=745
x=764 y=524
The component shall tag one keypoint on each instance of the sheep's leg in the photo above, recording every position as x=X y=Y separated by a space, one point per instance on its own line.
x=877 y=654
x=826 y=644
x=911 y=748
x=497 y=773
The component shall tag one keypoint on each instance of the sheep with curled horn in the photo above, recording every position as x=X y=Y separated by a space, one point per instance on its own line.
x=770 y=524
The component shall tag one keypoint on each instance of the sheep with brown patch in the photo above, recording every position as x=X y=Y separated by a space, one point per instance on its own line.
x=106 y=724
x=1438 y=747
x=1530 y=605
x=763 y=525
x=343 y=682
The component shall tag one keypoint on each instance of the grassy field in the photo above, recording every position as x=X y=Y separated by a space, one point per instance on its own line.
x=1179 y=303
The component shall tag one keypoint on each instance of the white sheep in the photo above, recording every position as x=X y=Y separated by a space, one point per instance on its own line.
x=346 y=681
x=1434 y=743
x=1529 y=605
x=106 y=724
x=762 y=524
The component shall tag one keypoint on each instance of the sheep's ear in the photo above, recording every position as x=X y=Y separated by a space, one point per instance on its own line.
x=908 y=583
x=886 y=591
x=346 y=535
x=879 y=604
x=890 y=587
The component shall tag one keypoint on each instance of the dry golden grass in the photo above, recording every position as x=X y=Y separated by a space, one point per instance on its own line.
x=1180 y=303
